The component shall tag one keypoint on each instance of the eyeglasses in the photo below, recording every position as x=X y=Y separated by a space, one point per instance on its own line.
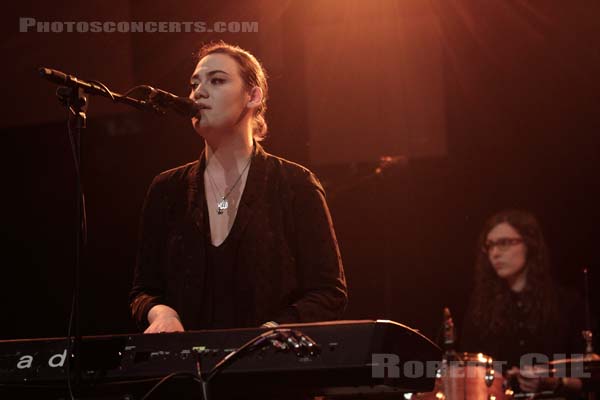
x=503 y=244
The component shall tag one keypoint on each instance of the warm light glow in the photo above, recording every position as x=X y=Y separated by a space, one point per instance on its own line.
x=374 y=81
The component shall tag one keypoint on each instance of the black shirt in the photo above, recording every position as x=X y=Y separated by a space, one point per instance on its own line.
x=219 y=302
x=557 y=341
x=285 y=265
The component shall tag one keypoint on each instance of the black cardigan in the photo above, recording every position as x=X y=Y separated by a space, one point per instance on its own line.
x=288 y=263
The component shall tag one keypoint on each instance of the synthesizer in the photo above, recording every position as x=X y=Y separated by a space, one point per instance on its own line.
x=367 y=357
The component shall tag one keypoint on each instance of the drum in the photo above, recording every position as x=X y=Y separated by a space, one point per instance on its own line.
x=470 y=377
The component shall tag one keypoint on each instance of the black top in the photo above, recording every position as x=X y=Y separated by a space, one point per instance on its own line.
x=286 y=266
x=558 y=341
x=218 y=297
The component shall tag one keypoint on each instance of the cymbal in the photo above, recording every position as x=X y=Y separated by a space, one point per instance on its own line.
x=588 y=365
x=588 y=359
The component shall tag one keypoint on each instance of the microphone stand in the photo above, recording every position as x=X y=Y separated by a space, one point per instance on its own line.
x=589 y=357
x=74 y=99
x=72 y=95
x=587 y=332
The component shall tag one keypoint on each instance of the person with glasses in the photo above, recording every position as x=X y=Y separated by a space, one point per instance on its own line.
x=517 y=308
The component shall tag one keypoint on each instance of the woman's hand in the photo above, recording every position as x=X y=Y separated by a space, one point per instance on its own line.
x=163 y=319
x=530 y=380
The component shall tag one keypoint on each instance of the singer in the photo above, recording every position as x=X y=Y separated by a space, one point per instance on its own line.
x=240 y=237
x=517 y=308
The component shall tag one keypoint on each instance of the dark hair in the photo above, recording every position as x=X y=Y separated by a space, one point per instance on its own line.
x=252 y=73
x=491 y=296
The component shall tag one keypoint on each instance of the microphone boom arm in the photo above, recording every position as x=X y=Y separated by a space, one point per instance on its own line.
x=98 y=88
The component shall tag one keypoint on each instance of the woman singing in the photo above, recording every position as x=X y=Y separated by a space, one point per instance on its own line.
x=240 y=237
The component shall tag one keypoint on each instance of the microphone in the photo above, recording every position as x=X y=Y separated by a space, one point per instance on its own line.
x=55 y=76
x=449 y=336
x=181 y=105
x=155 y=100
x=448 y=327
x=60 y=78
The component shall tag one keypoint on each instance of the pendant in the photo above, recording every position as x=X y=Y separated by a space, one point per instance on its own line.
x=222 y=206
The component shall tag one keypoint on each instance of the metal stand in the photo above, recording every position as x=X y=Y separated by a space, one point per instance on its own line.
x=76 y=102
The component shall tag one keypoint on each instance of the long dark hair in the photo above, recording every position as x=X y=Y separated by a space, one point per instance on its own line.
x=492 y=295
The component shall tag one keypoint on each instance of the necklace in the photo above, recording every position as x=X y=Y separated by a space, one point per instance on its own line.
x=223 y=204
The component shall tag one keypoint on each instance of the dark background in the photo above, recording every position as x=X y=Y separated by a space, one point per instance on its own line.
x=520 y=87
